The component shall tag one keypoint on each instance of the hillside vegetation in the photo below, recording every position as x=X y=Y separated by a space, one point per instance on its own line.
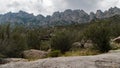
x=60 y=39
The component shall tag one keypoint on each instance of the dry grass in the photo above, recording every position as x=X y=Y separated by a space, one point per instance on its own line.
x=82 y=52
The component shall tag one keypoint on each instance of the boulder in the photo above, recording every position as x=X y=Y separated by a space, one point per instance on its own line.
x=8 y=60
x=117 y=40
x=77 y=45
x=88 y=44
x=82 y=44
x=34 y=54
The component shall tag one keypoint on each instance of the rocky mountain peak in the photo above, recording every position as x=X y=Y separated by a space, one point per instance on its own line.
x=112 y=9
x=66 y=17
x=92 y=16
x=56 y=13
x=68 y=11
x=99 y=14
x=40 y=16
x=22 y=12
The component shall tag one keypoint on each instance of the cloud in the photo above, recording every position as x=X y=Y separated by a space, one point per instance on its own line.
x=83 y=4
x=31 y=6
x=105 y=4
x=47 y=7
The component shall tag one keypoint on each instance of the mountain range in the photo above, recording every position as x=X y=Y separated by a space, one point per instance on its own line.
x=58 y=18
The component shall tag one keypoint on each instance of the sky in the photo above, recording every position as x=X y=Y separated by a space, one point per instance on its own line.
x=47 y=7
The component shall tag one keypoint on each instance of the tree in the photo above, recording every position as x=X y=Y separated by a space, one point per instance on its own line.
x=100 y=36
x=61 y=41
x=34 y=39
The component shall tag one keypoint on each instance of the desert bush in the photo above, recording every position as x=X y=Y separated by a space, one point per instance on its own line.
x=54 y=53
x=2 y=56
x=100 y=36
x=62 y=41
x=33 y=39
x=45 y=45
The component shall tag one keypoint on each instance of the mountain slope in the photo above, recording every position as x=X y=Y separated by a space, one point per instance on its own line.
x=58 y=18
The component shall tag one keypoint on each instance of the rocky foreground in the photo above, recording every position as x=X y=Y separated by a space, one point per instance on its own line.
x=110 y=60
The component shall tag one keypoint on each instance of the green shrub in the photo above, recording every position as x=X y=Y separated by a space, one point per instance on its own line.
x=100 y=36
x=2 y=56
x=45 y=45
x=33 y=39
x=62 y=41
x=54 y=53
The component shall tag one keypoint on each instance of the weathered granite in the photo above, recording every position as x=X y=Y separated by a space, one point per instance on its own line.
x=110 y=60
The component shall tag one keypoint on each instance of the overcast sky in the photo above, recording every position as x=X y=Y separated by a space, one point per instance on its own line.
x=47 y=7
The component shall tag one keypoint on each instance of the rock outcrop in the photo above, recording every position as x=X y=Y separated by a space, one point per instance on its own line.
x=58 y=18
x=99 y=14
x=34 y=54
x=117 y=40
x=110 y=60
x=92 y=16
x=9 y=60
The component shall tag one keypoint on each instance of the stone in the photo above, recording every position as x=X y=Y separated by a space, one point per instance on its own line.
x=117 y=40
x=34 y=54
x=9 y=60
x=108 y=60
